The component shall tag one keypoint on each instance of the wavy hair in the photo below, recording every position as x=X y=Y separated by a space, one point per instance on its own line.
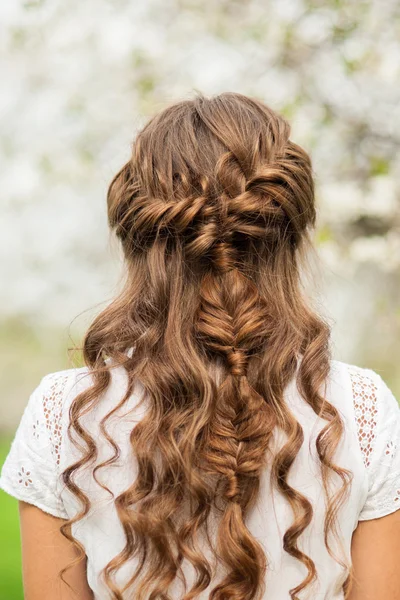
x=214 y=212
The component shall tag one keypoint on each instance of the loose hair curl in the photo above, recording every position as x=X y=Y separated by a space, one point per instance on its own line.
x=213 y=211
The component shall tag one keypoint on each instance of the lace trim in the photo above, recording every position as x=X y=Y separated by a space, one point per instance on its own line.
x=366 y=410
x=52 y=411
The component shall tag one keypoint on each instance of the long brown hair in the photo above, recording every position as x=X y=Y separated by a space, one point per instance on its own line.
x=214 y=212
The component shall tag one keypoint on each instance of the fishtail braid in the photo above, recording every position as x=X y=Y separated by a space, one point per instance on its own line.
x=232 y=322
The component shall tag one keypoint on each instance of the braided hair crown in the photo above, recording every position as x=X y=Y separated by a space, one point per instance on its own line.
x=217 y=176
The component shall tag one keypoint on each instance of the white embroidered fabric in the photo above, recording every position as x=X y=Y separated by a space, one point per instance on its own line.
x=377 y=414
x=366 y=410
x=31 y=469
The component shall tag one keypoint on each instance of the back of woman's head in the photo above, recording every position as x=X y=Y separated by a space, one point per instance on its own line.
x=212 y=211
x=207 y=172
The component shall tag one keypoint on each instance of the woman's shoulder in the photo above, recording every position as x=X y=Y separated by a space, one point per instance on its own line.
x=365 y=386
x=377 y=416
x=375 y=412
x=54 y=388
x=351 y=371
x=58 y=389
x=30 y=469
x=58 y=383
x=364 y=393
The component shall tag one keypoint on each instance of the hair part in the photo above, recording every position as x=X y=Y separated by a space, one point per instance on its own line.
x=213 y=211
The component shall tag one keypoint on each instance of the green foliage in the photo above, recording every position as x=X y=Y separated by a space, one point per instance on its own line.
x=10 y=548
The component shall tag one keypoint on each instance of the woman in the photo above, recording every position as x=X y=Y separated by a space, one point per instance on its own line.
x=210 y=447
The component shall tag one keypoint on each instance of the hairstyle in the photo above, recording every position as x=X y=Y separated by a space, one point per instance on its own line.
x=214 y=211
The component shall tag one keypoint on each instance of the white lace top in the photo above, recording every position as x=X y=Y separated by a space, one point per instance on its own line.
x=370 y=447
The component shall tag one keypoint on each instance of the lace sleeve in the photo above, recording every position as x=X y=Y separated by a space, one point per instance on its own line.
x=31 y=469
x=377 y=415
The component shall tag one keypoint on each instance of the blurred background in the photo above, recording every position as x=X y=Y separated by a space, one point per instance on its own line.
x=80 y=78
